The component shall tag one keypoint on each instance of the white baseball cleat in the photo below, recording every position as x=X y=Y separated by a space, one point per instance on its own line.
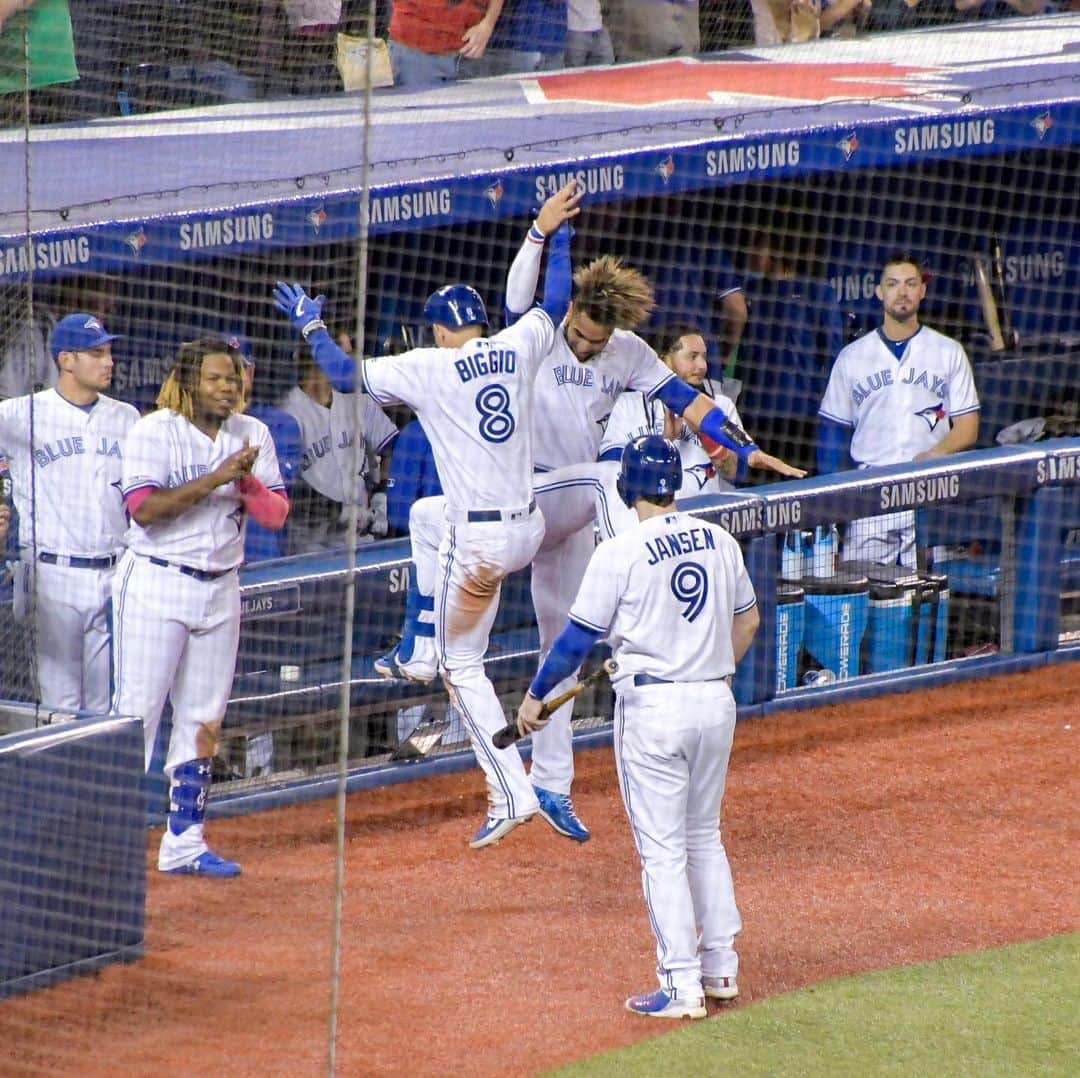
x=722 y=988
x=659 y=1004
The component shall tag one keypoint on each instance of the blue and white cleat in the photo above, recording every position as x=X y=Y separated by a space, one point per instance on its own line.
x=558 y=810
x=391 y=665
x=659 y=1004
x=494 y=828
x=207 y=864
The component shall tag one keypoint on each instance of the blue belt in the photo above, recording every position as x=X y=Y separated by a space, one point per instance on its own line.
x=487 y=516
x=648 y=679
x=199 y=574
x=76 y=562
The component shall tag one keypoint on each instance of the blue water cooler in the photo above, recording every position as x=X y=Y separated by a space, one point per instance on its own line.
x=837 y=608
x=790 y=617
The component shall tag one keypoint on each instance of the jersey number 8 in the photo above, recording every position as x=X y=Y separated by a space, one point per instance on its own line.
x=690 y=585
x=496 y=419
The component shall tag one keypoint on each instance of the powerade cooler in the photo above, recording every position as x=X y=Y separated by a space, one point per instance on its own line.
x=908 y=615
x=837 y=608
x=790 y=616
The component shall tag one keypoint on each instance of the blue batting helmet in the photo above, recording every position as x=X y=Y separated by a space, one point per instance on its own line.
x=650 y=465
x=455 y=306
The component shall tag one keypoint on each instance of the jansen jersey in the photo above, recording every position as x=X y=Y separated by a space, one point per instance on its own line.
x=899 y=407
x=664 y=593
x=71 y=475
x=473 y=403
x=572 y=400
x=330 y=435
x=636 y=414
x=165 y=450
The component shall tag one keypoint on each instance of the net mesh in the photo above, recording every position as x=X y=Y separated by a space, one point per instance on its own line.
x=776 y=274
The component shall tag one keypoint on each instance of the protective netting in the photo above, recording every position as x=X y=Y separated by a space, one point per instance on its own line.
x=775 y=223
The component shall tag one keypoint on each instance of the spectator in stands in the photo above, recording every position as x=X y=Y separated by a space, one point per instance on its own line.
x=652 y=29
x=844 y=18
x=530 y=35
x=587 y=39
x=342 y=435
x=432 y=42
x=309 y=61
x=261 y=543
x=779 y=22
x=901 y=392
x=795 y=329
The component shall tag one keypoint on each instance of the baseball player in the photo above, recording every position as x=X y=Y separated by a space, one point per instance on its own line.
x=901 y=392
x=473 y=395
x=65 y=450
x=193 y=472
x=674 y=600
x=595 y=357
x=341 y=434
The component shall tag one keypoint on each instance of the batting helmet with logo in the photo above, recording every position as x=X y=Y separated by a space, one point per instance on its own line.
x=455 y=305
x=650 y=466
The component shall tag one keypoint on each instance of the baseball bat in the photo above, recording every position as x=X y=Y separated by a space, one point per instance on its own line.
x=987 y=304
x=506 y=737
x=1003 y=303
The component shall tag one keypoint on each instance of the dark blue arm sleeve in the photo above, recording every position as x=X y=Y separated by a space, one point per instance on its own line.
x=730 y=435
x=833 y=446
x=337 y=365
x=676 y=395
x=570 y=648
x=558 y=279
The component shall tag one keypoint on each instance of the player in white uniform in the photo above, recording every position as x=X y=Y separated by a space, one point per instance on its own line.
x=673 y=598
x=902 y=392
x=71 y=515
x=473 y=395
x=193 y=471
x=343 y=433
x=593 y=360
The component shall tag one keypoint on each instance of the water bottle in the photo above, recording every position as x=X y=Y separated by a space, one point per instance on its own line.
x=793 y=556
x=818 y=677
x=826 y=543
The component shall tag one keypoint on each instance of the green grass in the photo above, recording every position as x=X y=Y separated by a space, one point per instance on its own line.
x=1013 y=1011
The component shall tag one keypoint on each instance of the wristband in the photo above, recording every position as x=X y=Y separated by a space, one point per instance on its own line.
x=535 y=235
x=312 y=326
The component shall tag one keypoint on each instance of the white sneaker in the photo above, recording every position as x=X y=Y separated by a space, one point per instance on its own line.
x=719 y=987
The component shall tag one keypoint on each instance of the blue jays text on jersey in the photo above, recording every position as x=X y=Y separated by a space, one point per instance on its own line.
x=74 y=446
x=933 y=383
x=578 y=374
x=319 y=448
x=493 y=361
x=185 y=474
x=675 y=544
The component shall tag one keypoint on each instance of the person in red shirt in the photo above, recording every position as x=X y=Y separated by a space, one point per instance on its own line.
x=432 y=42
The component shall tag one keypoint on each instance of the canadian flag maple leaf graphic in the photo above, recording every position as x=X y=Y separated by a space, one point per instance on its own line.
x=686 y=80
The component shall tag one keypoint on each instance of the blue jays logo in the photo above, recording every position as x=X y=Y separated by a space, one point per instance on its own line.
x=848 y=145
x=317 y=218
x=666 y=169
x=1042 y=124
x=494 y=193
x=136 y=241
x=699 y=473
x=933 y=415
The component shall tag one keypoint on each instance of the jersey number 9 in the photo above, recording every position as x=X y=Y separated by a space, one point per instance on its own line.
x=690 y=585
x=496 y=419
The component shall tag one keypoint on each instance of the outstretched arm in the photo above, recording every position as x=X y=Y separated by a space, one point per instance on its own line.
x=305 y=314
x=524 y=273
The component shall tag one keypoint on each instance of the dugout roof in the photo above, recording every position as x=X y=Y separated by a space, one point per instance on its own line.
x=184 y=185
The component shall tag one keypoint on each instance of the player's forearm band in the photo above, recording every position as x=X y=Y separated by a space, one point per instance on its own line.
x=730 y=435
x=535 y=235
x=566 y=655
x=267 y=507
x=312 y=326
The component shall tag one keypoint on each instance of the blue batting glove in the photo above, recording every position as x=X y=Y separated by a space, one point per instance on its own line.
x=304 y=312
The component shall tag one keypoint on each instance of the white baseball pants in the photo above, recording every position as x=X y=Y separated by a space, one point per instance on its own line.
x=672 y=744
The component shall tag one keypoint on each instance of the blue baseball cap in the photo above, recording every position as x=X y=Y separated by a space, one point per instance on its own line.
x=78 y=333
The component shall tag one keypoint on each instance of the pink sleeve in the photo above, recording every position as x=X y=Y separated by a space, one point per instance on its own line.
x=134 y=498
x=268 y=507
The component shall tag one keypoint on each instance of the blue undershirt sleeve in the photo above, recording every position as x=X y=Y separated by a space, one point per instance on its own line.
x=567 y=652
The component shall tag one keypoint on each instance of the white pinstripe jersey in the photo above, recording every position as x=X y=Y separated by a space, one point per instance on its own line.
x=165 y=450
x=897 y=407
x=77 y=463
x=635 y=414
x=572 y=400
x=473 y=403
x=664 y=593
